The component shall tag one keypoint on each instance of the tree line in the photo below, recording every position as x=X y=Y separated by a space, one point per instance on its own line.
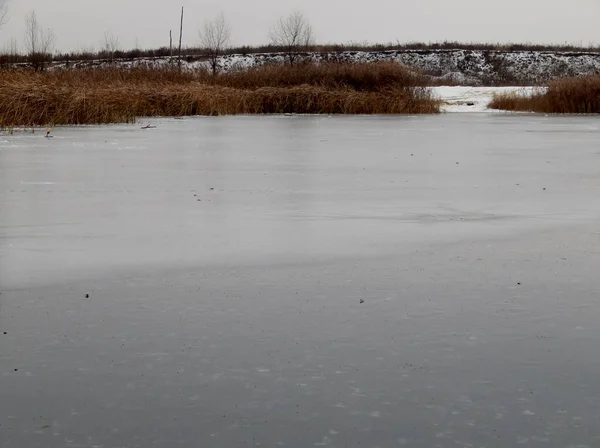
x=292 y=34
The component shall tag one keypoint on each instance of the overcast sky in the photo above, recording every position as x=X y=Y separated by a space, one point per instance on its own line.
x=81 y=24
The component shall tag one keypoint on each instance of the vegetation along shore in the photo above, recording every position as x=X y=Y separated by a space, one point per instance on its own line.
x=100 y=96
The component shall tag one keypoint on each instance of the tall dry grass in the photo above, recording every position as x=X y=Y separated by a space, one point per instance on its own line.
x=563 y=96
x=119 y=96
x=362 y=77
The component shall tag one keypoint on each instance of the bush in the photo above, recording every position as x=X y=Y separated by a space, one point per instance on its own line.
x=563 y=96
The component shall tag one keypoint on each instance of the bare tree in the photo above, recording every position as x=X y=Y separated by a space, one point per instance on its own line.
x=47 y=41
x=214 y=37
x=39 y=42
x=294 y=33
x=32 y=34
x=111 y=45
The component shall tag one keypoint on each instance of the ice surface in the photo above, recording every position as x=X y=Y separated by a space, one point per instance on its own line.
x=134 y=315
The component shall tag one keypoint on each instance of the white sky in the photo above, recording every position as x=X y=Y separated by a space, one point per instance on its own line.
x=80 y=24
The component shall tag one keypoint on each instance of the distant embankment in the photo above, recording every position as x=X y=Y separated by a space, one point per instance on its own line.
x=486 y=67
x=467 y=67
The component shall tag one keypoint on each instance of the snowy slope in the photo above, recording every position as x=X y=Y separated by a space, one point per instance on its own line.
x=459 y=67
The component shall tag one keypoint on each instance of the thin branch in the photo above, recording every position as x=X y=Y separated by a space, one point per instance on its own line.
x=3 y=12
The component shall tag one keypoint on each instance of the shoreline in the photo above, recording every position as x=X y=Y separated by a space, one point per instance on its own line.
x=453 y=99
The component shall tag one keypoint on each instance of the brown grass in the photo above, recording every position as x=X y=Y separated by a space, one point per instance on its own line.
x=119 y=96
x=563 y=96
x=361 y=77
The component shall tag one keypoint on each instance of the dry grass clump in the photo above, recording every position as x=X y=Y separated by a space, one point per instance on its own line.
x=563 y=96
x=119 y=96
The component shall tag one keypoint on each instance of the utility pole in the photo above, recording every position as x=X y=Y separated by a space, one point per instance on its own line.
x=171 y=45
x=180 y=37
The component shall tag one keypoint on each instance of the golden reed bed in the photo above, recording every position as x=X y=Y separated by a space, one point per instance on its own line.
x=563 y=96
x=121 y=95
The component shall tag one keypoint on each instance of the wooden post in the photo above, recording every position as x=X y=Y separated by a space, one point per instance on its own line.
x=171 y=45
x=180 y=37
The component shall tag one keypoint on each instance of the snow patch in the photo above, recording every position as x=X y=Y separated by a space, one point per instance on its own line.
x=473 y=99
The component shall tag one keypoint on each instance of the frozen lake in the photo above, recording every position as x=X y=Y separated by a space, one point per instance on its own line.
x=302 y=281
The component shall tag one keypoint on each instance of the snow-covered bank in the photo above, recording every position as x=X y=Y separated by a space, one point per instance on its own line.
x=463 y=67
x=473 y=99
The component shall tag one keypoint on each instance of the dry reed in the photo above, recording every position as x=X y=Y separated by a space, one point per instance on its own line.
x=119 y=96
x=563 y=96
x=362 y=77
